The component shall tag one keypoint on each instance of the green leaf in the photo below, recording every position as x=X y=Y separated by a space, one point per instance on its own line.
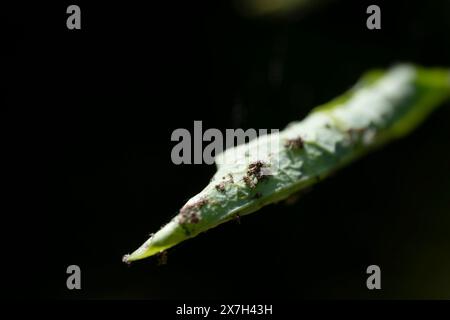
x=381 y=107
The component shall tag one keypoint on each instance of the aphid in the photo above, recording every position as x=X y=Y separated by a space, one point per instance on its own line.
x=189 y=213
x=220 y=187
x=162 y=258
x=297 y=143
x=254 y=169
x=194 y=218
x=248 y=182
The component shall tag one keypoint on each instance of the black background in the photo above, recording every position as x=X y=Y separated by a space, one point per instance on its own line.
x=88 y=174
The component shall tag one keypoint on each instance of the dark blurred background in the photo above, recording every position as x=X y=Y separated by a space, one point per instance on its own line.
x=87 y=123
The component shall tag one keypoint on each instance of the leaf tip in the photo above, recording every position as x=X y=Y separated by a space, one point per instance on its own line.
x=126 y=259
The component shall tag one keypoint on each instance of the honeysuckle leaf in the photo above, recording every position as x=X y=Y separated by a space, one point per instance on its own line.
x=381 y=107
